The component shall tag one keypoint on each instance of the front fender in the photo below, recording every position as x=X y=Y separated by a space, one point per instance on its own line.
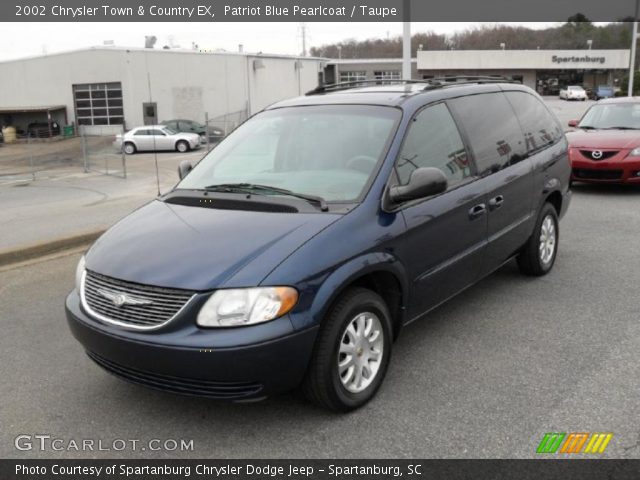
x=337 y=280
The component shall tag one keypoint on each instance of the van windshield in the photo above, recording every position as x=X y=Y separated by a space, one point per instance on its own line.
x=329 y=151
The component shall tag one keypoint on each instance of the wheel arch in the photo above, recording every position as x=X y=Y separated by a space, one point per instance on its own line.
x=379 y=272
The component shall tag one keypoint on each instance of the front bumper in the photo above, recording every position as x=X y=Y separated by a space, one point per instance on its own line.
x=622 y=171
x=193 y=364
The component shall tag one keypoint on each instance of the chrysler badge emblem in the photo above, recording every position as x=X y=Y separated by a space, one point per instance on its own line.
x=120 y=299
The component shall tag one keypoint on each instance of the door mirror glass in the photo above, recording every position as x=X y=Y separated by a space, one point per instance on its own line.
x=424 y=182
x=573 y=123
x=184 y=168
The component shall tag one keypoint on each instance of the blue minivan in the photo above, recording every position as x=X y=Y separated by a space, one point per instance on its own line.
x=293 y=254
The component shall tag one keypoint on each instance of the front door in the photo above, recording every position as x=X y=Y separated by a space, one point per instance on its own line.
x=446 y=234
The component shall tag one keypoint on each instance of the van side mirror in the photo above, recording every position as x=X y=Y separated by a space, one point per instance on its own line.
x=423 y=182
x=184 y=168
x=573 y=123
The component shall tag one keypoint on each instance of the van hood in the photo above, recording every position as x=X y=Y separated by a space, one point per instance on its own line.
x=199 y=248
x=604 y=139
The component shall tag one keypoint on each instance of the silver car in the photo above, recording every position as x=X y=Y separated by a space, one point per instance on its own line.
x=156 y=138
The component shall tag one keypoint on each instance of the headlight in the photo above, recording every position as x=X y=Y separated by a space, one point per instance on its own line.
x=246 y=306
x=79 y=272
x=635 y=152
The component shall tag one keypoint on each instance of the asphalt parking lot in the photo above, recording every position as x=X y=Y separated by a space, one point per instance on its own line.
x=484 y=376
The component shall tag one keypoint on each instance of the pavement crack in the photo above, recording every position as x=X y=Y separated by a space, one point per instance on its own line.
x=634 y=446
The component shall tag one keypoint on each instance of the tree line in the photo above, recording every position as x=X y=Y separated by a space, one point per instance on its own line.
x=574 y=34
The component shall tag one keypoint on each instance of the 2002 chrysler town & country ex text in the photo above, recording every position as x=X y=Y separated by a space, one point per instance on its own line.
x=294 y=252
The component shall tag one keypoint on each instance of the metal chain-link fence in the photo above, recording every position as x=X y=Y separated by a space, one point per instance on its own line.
x=219 y=127
x=100 y=151
x=28 y=154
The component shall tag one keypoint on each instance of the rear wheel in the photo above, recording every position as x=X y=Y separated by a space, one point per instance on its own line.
x=129 y=148
x=352 y=352
x=540 y=251
x=182 y=146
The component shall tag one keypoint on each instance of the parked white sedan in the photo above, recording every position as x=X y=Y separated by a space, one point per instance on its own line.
x=155 y=138
x=573 y=92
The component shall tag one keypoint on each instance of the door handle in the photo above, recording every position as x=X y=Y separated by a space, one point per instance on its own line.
x=477 y=211
x=496 y=202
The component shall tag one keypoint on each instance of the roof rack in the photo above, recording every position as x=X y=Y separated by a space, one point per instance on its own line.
x=430 y=83
x=439 y=82
x=332 y=87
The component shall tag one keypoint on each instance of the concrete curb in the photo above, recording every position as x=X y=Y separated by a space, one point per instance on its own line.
x=22 y=254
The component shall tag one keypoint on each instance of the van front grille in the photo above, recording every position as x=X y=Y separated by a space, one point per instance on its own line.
x=131 y=305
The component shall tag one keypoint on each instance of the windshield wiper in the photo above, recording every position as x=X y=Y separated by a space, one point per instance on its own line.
x=620 y=128
x=587 y=127
x=257 y=188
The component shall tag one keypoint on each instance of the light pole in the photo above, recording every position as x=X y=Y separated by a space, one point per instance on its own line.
x=406 y=40
x=634 y=40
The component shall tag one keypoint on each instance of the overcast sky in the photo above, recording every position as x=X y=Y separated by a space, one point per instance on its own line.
x=38 y=38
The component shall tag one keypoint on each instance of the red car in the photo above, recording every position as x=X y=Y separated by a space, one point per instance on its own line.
x=605 y=147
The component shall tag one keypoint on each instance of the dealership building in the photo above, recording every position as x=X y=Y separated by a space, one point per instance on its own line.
x=544 y=70
x=106 y=88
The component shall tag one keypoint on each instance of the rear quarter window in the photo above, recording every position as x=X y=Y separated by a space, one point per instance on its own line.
x=539 y=126
x=492 y=130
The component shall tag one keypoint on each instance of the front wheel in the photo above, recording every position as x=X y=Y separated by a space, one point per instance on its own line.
x=129 y=148
x=182 y=146
x=352 y=352
x=539 y=254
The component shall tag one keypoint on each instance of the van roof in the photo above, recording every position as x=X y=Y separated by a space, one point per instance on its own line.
x=393 y=92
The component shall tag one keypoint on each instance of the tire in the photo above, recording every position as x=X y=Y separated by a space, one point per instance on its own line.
x=129 y=148
x=182 y=146
x=536 y=259
x=324 y=384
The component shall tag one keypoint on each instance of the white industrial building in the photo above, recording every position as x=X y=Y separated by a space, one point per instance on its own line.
x=544 y=70
x=104 y=88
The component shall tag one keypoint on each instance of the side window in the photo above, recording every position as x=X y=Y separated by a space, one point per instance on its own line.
x=492 y=129
x=433 y=141
x=157 y=133
x=538 y=125
x=142 y=132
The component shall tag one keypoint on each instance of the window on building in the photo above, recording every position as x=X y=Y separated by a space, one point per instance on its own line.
x=494 y=134
x=353 y=76
x=387 y=75
x=433 y=141
x=98 y=103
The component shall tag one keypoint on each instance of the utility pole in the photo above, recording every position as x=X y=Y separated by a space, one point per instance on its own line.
x=406 y=40
x=634 y=41
x=303 y=33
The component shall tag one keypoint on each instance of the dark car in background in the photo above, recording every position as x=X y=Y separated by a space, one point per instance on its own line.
x=215 y=134
x=43 y=129
x=294 y=252
x=600 y=92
